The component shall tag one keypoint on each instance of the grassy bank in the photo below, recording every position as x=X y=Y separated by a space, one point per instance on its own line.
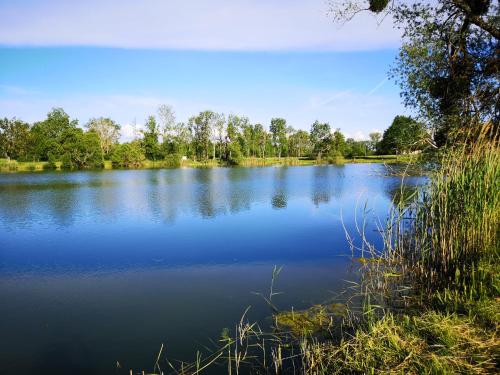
x=427 y=303
x=15 y=166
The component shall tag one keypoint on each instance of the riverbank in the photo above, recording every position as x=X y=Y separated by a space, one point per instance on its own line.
x=15 y=166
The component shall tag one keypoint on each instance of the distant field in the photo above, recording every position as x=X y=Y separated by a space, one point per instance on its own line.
x=15 y=166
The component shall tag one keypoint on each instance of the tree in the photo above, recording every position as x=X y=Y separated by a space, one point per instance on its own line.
x=260 y=139
x=150 y=141
x=338 y=143
x=404 y=135
x=107 y=130
x=321 y=139
x=375 y=138
x=217 y=123
x=233 y=147
x=201 y=126
x=81 y=150
x=14 y=138
x=220 y=133
x=299 y=143
x=166 y=118
x=355 y=148
x=127 y=155
x=278 y=132
x=182 y=139
x=47 y=135
x=448 y=66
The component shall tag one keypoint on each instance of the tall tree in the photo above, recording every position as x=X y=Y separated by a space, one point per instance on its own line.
x=233 y=146
x=182 y=139
x=14 y=138
x=81 y=149
x=201 y=126
x=321 y=139
x=375 y=138
x=166 y=119
x=220 y=133
x=47 y=135
x=260 y=139
x=107 y=130
x=338 y=143
x=278 y=132
x=404 y=135
x=248 y=138
x=150 y=141
x=217 y=123
x=299 y=143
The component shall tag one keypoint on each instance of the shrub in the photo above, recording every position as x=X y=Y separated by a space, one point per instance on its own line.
x=173 y=161
x=127 y=155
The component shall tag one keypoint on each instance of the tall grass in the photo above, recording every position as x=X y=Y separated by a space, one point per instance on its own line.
x=446 y=242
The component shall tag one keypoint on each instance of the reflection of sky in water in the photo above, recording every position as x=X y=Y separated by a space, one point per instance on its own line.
x=84 y=256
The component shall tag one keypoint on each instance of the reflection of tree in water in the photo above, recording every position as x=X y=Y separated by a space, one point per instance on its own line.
x=63 y=204
x=279 y=198
x=203 y=192
x=327 y=181
x=238 y=193
x=206 y=192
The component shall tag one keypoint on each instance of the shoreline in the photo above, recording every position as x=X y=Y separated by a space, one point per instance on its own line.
x=13 y=166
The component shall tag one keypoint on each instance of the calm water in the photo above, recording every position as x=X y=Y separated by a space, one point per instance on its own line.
x=99 y=267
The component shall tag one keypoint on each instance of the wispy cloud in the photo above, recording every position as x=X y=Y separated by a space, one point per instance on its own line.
x=355 y=112
x=318 y=102
x=377 y=87
x=189 y=24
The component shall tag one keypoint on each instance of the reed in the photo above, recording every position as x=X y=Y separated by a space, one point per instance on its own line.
x=445 y=243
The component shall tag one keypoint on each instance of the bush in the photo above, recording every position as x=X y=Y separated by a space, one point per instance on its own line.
x=51 y=163
x=66 y=162
x=127 y=155
x=235 y=156
x=173 y=161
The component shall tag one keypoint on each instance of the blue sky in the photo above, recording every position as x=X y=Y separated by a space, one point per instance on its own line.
x=257 y=58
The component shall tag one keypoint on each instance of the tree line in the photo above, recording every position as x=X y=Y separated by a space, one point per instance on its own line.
x=206 y=136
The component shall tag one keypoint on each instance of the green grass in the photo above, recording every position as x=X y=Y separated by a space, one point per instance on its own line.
x=15 y=166
x=383 y=159
x=428 y=343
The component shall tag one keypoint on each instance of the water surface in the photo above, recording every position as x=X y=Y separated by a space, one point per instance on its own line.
x=100 y=267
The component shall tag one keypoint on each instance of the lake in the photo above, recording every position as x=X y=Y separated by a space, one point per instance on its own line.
x=100 y=267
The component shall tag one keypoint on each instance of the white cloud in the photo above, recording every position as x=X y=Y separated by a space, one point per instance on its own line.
x=128 y=132
x=357 y=135
x=267 y=25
